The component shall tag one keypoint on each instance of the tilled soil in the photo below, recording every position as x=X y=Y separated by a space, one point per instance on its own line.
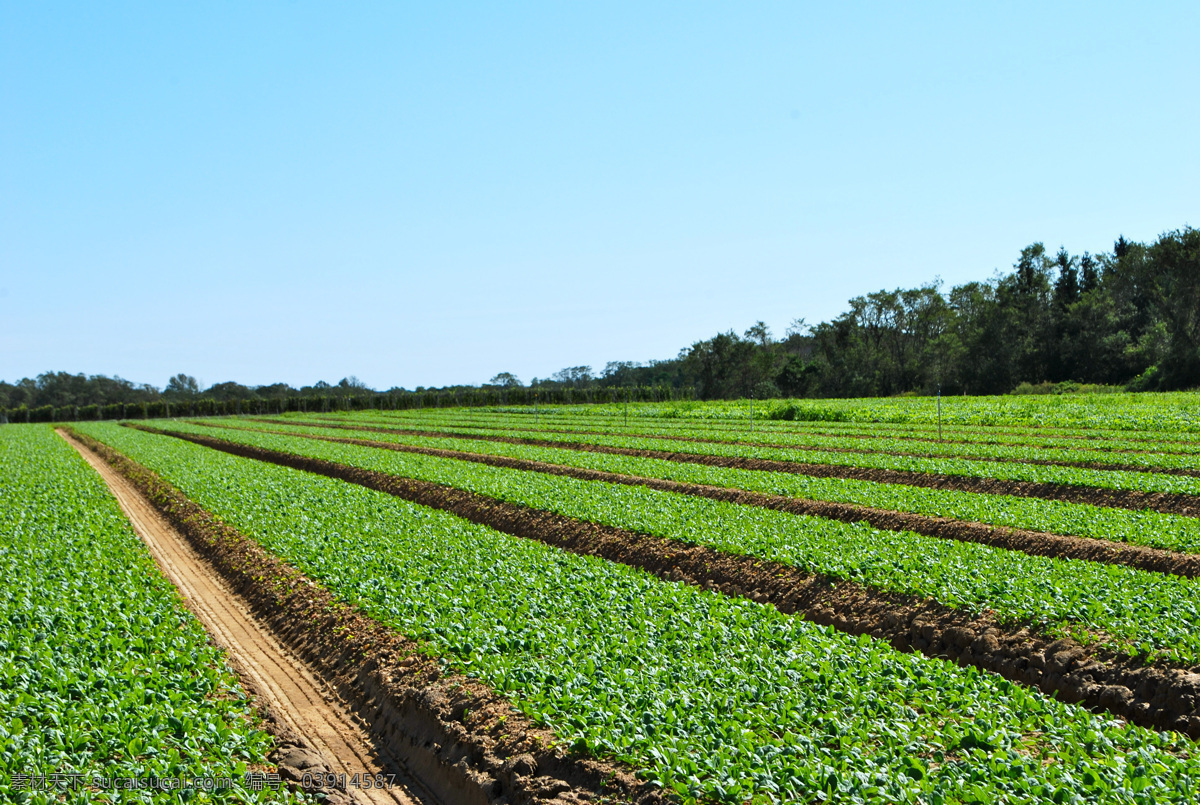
x=461 y=741
x=1038 y=543
x=1157 y=696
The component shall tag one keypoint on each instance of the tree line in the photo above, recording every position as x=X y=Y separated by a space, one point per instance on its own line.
x=1129 y=318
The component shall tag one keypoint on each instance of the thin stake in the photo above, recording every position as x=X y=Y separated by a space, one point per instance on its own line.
x=939 y=411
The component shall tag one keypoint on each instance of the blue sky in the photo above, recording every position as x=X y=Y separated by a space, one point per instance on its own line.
x=431 y=193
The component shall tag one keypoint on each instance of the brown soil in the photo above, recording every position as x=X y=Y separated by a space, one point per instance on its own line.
x=1156 y=696
x=1165 y=502
x=1037 y=543
x=464 y=743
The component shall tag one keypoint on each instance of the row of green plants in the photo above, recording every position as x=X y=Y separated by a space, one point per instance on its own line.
x=1075 y=476
x=1168 y=413
x=1138 y=611
x=103 y=673
x=1098 y=441
x=709 y=696
x=1137 y=527
x=879 y=444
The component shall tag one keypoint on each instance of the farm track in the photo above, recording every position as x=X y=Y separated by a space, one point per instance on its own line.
x=1089 y=465
x=455 y=739
x=316 y=735
x=1164 y=502
x=1038 y=543
x=1158 y=696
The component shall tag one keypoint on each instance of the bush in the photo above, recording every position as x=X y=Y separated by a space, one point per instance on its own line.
x=1065 y=387
x=807 y=413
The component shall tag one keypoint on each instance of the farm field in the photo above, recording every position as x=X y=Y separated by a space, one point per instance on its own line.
x=1015 y=447
x=1145 y=611
x=1136 y=526
x=103 y=673
x=656 y=593
x=1165 y=474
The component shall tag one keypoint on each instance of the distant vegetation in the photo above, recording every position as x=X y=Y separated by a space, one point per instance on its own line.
x=1125 y=320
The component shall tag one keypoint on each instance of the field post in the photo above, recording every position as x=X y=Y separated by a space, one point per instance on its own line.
x=939 y=411
x=627 y=408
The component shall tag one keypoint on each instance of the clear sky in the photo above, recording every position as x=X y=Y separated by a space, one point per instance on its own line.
x=430 y=193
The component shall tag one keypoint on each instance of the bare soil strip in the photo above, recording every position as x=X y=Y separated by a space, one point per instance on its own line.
x=1157 y=696
x=454 y=737
x=1039 y=543
x=1165 y=502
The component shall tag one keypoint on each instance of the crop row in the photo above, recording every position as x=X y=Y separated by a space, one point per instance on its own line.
x=823 y=415
x=708 y=695
x=103 y=673
x=1033 y=473
x=904 y=438
x=793 y=442
x=1170 y=414
x=1147 y=612
x=1149 y=528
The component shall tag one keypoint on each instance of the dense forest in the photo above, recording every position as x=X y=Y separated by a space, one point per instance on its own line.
x=1129 y=318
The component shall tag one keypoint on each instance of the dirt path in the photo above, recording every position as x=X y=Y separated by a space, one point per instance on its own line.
x=292 y=695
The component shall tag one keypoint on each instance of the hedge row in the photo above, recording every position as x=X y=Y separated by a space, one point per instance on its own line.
x=380 y=400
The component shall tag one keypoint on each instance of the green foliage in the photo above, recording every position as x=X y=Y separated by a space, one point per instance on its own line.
x=1154 y=529
x=1151 y=612
x=102 y=670
x=709 y=696
x=946 y=464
